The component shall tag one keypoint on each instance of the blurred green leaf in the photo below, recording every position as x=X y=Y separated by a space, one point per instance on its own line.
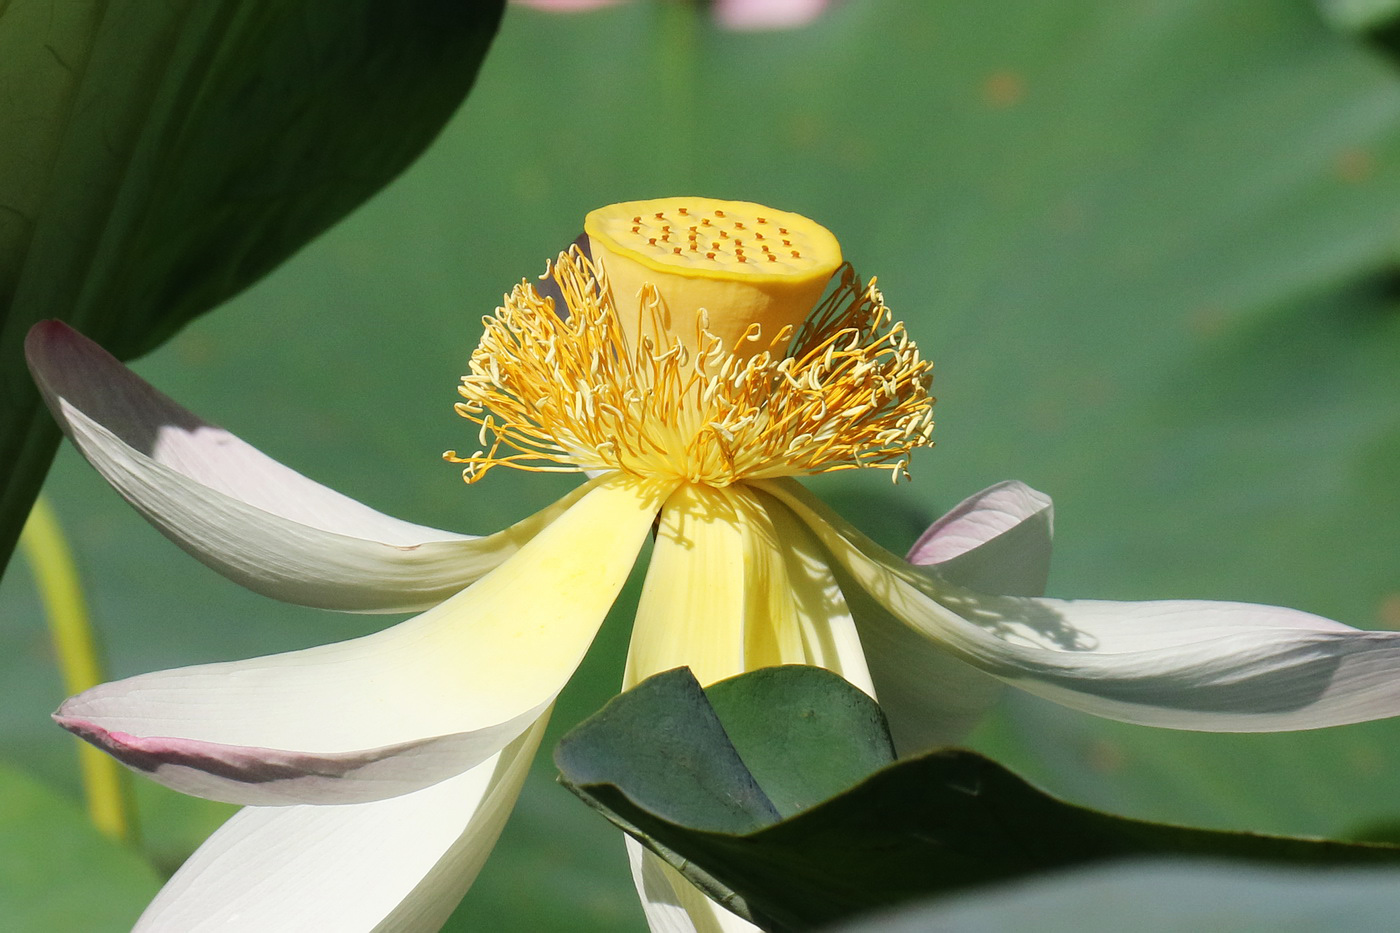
x=938 y=823
x=54 y=867
x=158 y=158
x=1162 y=896
x=1360 y=15
x=1376 y=21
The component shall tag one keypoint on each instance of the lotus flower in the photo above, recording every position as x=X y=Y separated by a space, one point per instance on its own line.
x=686 y=360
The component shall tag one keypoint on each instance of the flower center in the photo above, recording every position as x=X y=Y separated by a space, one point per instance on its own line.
x=688 y=369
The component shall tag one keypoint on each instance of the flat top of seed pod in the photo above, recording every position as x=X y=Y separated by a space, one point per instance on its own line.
x=709 y=238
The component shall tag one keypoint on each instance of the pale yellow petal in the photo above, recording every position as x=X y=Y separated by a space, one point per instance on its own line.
x=728 y=590
x=824 y=619
x=397 y=710
x=674 y=905
x=692 y=607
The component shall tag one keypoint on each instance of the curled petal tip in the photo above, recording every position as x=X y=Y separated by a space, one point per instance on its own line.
x=241 y=763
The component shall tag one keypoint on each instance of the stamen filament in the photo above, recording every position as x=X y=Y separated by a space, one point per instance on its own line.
x=845 y=390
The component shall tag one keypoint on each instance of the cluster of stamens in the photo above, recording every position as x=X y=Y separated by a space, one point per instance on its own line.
x=563 y=391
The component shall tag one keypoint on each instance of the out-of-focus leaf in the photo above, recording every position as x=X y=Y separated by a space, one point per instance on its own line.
x=941 y=822
x=1360 y=15
x=156 y=158
x=54 y=866
x=1377 y=21
x=1163 y=896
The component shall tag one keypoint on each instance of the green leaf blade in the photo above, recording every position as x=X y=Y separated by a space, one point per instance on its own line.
x=943 y=822
x=665 y=744
x=802 y=741
x=170 y=155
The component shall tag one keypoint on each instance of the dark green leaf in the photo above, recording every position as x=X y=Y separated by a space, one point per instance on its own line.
x=158 y=158
x=801 y=740
x=666 y=730
x=942 y=822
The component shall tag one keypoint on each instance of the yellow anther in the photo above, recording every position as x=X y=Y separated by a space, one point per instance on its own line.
x=564 y=394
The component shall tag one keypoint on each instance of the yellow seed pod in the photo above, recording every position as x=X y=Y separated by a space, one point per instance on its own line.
x=740 y=263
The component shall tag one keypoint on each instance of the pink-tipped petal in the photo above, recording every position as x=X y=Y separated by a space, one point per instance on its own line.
x=400 y=864
x=391 y=712
x=752 y=15
x=997 y=541
x=1182 y=664
x=242 y=513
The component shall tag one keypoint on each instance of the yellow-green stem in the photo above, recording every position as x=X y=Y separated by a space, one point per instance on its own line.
x=105 y=783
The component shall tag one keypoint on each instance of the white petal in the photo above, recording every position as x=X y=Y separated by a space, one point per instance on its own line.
x=997 y=541
x=728 y=591
x=1228 y=667
x=242 y=513
x=394 y=711
x=400 y=864
x=929 y=697
x=674 y=905
x=746 y=15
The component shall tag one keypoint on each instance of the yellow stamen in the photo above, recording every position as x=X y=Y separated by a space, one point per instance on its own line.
x=550 y=393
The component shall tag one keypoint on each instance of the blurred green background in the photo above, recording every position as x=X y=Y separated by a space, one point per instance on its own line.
x=1149 y=245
